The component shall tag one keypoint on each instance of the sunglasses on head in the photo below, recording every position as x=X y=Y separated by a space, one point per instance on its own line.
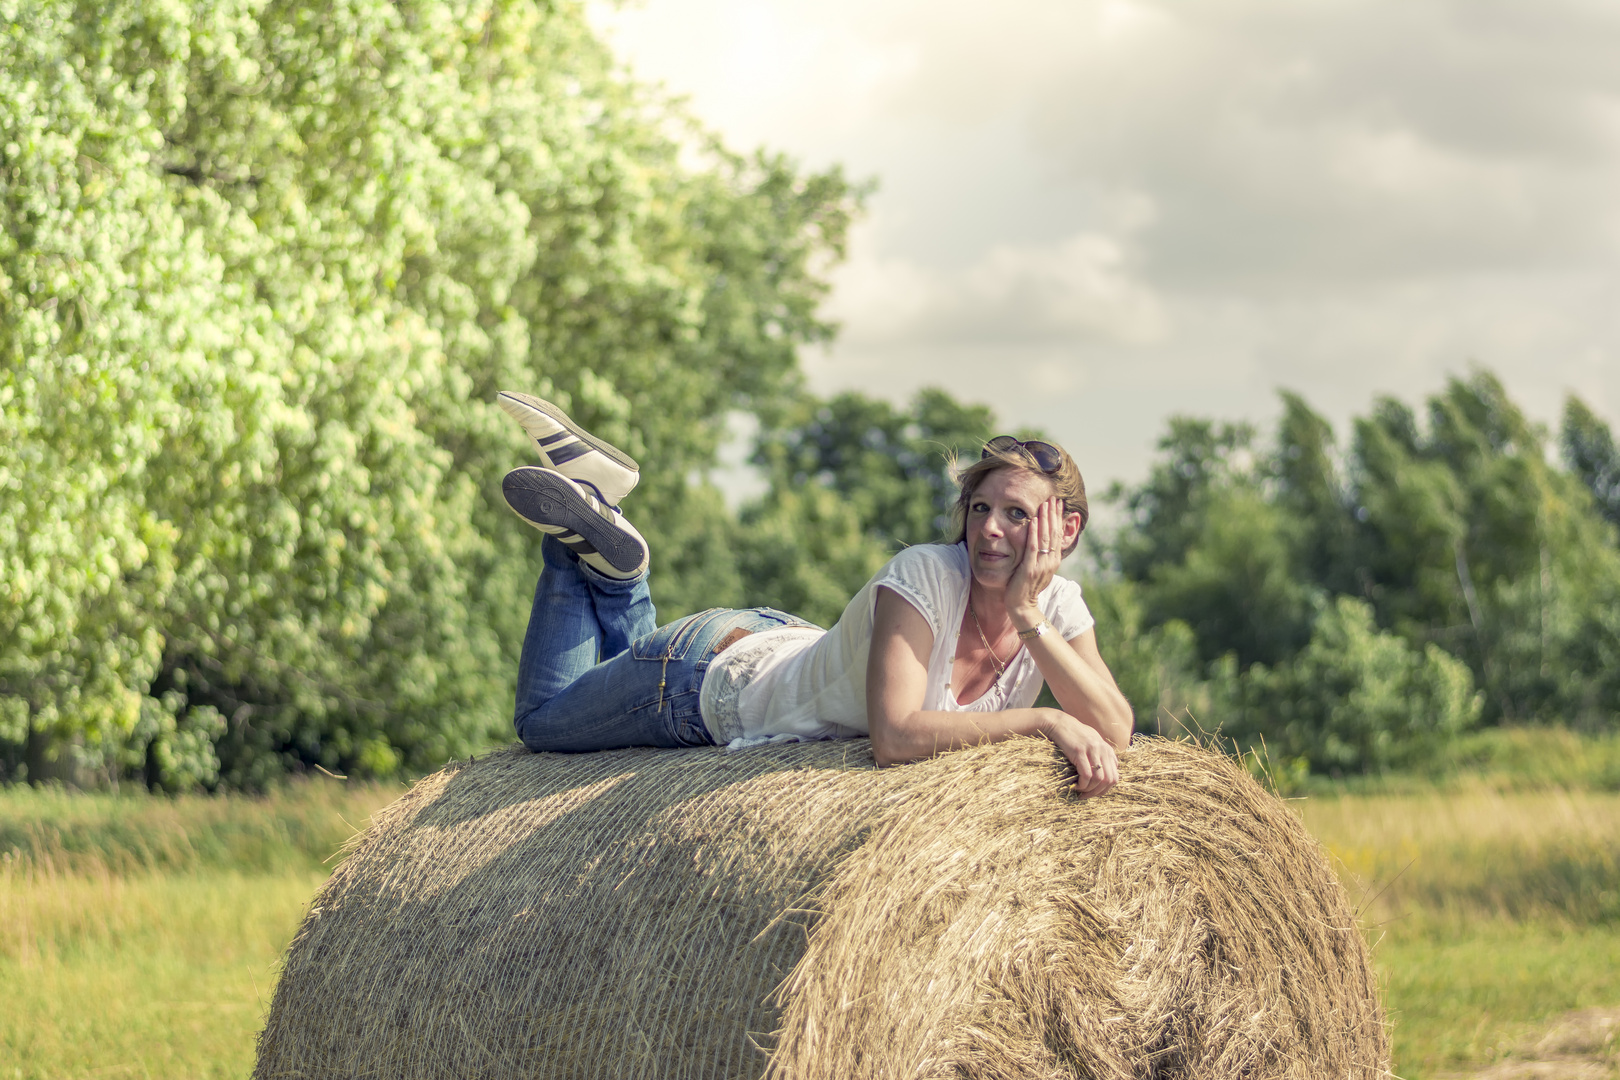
x=1044 y=454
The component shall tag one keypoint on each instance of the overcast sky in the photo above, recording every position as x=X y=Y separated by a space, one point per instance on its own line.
x=1094 y=215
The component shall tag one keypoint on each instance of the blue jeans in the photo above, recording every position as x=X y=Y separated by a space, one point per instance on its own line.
x=596 y=672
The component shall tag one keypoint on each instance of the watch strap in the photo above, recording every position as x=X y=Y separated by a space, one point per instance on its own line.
x=1038 y=630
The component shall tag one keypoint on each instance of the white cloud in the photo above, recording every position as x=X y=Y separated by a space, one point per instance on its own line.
x=1079 y=289
x=1301 y=146
x=759 y=70
x=1096 y=213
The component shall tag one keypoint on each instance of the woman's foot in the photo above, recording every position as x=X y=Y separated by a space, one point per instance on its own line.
x=570 y=449
x=598 y=534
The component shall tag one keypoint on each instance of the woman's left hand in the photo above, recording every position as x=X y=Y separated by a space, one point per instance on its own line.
x=1043 y=554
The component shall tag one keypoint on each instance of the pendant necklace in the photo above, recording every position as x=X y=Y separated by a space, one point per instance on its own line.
x=994 y=659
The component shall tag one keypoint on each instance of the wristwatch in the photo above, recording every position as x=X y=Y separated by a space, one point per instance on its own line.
x=1038 y=630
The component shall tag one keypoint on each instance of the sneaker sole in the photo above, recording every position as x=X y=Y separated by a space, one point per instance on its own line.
x=541 y=498
x=608 y=450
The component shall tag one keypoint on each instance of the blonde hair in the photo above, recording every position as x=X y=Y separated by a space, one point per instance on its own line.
x=1067 y=483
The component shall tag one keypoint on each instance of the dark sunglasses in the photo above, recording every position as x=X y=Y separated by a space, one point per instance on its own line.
x=1044 y=454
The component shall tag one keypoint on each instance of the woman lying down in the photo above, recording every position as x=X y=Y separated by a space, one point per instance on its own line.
x=946 y=646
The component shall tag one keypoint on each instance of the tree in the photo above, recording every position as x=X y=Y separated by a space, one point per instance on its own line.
x=1590 y=453
x=1209 y=548
x=263 y=267
x=1199 y=458
x=1471 y=540
x=1447 y=554
x=892 y=466
x=852 y=480
x=1311 y=491
x=1355 y=699
x=1157 y=668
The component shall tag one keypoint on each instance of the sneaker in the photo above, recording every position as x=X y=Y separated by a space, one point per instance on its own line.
x=563 y=508
x=570 y=449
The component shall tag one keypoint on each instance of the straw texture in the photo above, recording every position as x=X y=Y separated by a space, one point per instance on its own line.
x=792 y=912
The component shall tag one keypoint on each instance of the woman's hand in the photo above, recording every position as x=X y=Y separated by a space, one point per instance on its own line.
x=1043 y=554
x=1096 y=764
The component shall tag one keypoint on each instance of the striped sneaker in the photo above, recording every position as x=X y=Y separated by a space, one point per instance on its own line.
x=570 y=449
x=598 y=534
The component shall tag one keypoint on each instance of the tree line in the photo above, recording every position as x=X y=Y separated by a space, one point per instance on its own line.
x=1352 y=606
x=264 y=266
x=1338 y=607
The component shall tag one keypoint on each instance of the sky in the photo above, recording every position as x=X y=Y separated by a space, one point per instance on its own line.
x=1096 y=214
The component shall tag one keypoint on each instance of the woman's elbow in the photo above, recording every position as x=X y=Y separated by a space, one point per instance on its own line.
x=1124 y=725
x=890 y=745
x=884 y=750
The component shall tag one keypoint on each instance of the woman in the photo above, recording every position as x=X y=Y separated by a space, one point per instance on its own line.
x=947 y=646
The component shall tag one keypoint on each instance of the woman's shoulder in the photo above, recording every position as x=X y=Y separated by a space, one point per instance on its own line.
x=1065 y=607
x=931 y=577
x=932 y=560
x=1062 y=589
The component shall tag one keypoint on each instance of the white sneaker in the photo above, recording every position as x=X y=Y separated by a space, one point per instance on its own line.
x=570 y=449
x=563 y=508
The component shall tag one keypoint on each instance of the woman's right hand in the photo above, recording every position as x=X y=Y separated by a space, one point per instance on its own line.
x=896 y=684
x=1096 y=765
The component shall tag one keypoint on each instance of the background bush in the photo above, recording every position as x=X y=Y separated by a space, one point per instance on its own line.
x=1356 y=608
x=264 y=265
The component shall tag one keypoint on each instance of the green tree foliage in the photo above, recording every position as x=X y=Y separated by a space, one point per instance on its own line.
x=263 y=266
x=891 y=466
x=1590 y=454
x=1346 y=605
x=1471 y=540
x=802 y=550
x=1212 y=550
x=1200 y=458
x=1352 y=699
x=851 y=481
x=1157 y=666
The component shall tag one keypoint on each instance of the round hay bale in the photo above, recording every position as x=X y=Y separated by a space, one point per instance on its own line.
x=793 y=912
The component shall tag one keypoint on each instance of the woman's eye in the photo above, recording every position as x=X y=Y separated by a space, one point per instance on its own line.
x=1016 y=514
x=981 y=508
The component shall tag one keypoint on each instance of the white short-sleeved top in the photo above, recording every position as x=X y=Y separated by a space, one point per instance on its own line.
x=812 y=683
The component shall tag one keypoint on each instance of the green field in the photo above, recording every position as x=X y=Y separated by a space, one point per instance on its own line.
x=139 y=936
x=1491 y=912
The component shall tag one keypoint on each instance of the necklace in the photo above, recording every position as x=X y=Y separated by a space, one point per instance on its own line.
x=994 y=659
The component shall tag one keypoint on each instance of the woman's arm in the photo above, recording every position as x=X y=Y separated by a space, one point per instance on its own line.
x=897 y=679
x=1081 y=682
x=1074 y=669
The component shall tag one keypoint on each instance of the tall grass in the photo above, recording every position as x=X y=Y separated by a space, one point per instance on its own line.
x=139 y=936
x=1441 y=860
x=1503 y=759
x=299 y=826
x=154 y=976
x=1492 y=910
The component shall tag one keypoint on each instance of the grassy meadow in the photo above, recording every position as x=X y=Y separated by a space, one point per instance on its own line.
x=1491 y=912
x=139 y=936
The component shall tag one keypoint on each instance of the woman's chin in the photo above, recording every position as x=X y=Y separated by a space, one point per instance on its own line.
x=992 y=574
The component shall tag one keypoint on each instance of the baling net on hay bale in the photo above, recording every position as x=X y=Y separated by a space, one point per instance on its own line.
x=793 y=912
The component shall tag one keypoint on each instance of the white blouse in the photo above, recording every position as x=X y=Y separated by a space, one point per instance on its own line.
x=809 y=683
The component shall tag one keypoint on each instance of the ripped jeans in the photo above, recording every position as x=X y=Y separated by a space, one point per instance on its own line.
x=597 y=673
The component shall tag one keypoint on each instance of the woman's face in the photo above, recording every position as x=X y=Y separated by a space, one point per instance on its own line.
x=998 y=519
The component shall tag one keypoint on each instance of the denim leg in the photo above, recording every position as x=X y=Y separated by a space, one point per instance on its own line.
x=624 y=609
x=579 y=616
x=648 y=695
x=621 y=703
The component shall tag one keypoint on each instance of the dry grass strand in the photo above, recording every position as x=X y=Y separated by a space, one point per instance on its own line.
x=792 y=912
